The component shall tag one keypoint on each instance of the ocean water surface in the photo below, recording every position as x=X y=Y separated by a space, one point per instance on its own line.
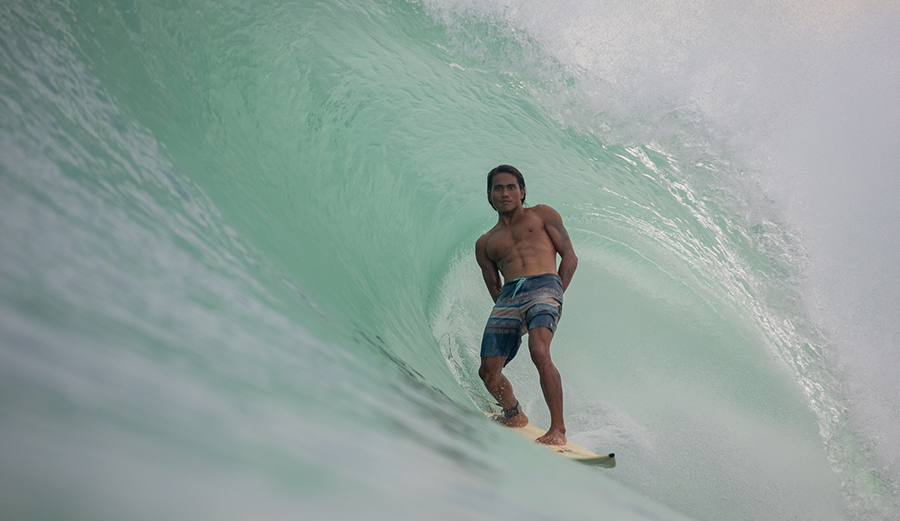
x=237 y=277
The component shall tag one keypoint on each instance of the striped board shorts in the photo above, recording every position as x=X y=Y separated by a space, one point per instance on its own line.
x=524 y=304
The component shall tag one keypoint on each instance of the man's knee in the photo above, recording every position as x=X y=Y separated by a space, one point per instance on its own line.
x=541 y=357
x=489 y=371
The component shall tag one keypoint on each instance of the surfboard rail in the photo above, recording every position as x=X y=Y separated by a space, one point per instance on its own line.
x=570 y=450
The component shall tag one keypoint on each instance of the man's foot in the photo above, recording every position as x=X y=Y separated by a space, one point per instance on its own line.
x=512 y=417
x=553 y=437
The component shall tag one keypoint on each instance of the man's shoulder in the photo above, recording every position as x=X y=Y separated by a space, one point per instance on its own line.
x=543 y=211
x=481 y=246
x=486 y=236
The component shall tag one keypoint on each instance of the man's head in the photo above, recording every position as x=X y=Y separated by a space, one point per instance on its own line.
x=504 y=169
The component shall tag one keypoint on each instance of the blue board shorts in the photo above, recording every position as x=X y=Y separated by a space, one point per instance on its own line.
x=524 y=304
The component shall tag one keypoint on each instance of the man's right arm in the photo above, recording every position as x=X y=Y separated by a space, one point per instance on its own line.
x=489 y=270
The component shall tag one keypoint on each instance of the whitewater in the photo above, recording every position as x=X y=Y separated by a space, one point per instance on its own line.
x=237 y=272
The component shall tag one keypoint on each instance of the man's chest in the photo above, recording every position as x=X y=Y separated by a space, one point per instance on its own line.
x=523 y=234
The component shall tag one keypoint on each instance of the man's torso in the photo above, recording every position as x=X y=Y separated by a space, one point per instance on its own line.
x=522 y=248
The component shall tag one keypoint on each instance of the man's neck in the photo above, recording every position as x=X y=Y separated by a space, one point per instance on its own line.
x=509 y=217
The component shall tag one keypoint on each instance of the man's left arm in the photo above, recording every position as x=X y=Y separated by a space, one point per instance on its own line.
x=560 y=238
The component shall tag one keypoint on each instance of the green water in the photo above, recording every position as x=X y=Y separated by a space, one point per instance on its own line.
x=237 y=279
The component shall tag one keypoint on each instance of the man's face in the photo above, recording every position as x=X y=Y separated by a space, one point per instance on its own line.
x=506 y=194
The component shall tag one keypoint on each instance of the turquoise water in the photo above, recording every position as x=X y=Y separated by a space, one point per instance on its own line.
x=237 y=278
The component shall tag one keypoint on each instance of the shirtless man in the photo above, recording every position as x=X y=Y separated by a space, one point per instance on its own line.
x=523 y=247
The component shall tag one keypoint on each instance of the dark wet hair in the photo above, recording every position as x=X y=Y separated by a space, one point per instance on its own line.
x=505 y=169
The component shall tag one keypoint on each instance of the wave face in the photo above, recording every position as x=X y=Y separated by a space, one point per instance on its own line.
x=238 y=282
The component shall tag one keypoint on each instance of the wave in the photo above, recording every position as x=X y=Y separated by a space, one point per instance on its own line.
x=239 y=281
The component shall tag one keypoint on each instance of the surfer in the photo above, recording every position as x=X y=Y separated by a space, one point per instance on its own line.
x=523 y=246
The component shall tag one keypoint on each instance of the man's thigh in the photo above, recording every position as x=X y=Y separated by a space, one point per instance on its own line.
x=539 y=339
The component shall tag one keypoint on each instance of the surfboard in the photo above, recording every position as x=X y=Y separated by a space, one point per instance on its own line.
x=570 y=450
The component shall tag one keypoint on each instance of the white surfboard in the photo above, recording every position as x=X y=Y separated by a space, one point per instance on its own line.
x=570 y=450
